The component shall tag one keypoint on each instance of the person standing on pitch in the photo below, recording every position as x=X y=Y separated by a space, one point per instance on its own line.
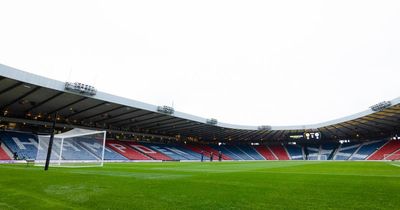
x=202 y=155
x=219 y=156
x=211 y=156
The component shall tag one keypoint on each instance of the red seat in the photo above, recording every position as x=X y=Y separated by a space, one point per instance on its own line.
x=125 y=150
x=149 y=152
x=3 y=155
x=265 y=152
x=390 y=147
x=280 y=152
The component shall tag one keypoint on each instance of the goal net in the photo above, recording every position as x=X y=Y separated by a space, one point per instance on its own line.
x=393 y=157
x=75 y=148
x=317 y=157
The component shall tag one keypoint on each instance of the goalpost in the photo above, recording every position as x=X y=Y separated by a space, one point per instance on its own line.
x=392 y=157
x=75 y=148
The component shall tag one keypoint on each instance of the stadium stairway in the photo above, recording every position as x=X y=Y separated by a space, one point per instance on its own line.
x=280 y=152
x=265 y=152
x=389 y=148
x=126 y=150
x=149 y=152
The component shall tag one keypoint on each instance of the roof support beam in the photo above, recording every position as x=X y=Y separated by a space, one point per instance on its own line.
x=119 y=115
x=68 y=105
x=20 y=97
x=179 y=122
x=101 y=113
x=158 y=121
x=43 y=102
x=129 y=118
x=84 y=110
x=11 y=87
x=143 y=122
x=184 y=126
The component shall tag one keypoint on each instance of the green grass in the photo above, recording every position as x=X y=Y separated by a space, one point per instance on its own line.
x=228 y=185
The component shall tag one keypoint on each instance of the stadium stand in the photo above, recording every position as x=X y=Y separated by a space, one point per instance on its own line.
x=226 y=151
x=207 y=151
x=197 y=156
x=366 y=149
x=295 y=152
x=312 y=152
x=187 y=154
x=96 y=149
x=149 y=152
x=126 y=151
x=4 y=155
x=328 y=150
x=251 y=151
x=265 y=152
x=23 y=144
x=71 y=150
x=171 y=152
x=346 y=150
x=389 y=148
x=394 y=156
x=280 y=152
x=238 y=152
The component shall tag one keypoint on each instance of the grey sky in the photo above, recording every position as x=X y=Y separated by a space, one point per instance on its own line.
x=242 y=62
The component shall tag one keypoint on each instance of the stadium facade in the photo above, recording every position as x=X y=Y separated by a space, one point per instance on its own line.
x=139 y=131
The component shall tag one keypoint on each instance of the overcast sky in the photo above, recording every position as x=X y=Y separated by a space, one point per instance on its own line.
x=242 y=62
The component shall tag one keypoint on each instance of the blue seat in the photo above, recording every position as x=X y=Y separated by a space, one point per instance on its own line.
x=295 y=152
x=24 y=144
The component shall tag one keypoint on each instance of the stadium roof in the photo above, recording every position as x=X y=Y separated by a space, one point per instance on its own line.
x=33 y=99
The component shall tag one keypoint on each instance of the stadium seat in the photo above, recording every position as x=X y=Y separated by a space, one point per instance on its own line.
x=345 y=151
x=251 y=151
x=206 y=151
x=96 y=149
x=238 y=152
x=295 y=152
x=265 y=152
x=389 y=148
x=149 y=152
x=226 y=151
x=4 y=155
x=24 y=144
x=126 y=151
x=366 y=149
x=280 y=152
x=170 y=151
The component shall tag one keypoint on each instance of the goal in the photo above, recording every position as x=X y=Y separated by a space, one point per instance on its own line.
x=393 y=157
x=75 y=148
x=317 y=157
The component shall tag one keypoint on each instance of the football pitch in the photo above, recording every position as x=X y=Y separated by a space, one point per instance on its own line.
x=226 y=185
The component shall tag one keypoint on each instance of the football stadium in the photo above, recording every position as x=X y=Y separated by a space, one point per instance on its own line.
x=110 y=152
x=179 y=104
